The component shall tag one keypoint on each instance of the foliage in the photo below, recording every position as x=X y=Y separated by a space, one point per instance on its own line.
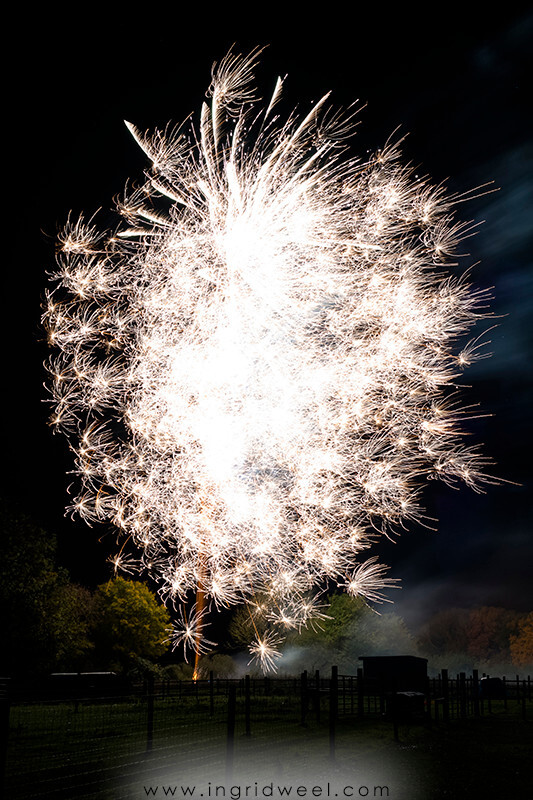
x=141 y=668
x=351 y=629
x=445 y=632
x=130 y=622
x=30 y=586
x=71 y=620
x=380 y=634
x=178 y=672
x=465 y=638
x=52 y=624
x=342 y=613
x=222 y=666
x=521 y=643
x=488 y=630
x=245 y=625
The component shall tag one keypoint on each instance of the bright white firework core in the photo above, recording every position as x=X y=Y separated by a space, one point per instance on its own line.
x=258 y=375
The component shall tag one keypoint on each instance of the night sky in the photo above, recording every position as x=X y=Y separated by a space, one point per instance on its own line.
x=457 y=85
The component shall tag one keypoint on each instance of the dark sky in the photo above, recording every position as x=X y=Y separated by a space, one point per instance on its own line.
x=457 y=84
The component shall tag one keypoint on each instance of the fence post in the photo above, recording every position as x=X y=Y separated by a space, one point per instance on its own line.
x=333 y=709
x=394 y=709
x=382 y=696
x=504 y=681
x=428 y=702
x=475 y=690
x=489 y=698
x=462 y=694
x=360 y=693
x=303 y=697
x=230 y=738
x=150 y=713
x=317 y=695
x=247 y=706
x=523 y=700
x=211 y=693
x=445 y=696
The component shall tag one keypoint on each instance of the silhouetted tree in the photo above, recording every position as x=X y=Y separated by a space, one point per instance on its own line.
x=70 y=623
x=29 y=587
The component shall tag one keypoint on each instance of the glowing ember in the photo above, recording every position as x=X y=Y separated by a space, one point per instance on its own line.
x=258 y=374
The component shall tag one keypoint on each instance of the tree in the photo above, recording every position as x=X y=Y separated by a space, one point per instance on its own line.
x=130 y=623
x=29 y=580
x=316 y=646
x=220 y=664
x=521 y=643
x=351 y=629
x=347 y=629
x=343 y=614
x=379 y=635
x=70 y=623
x=248 y=621
x=488 y=631
x=445 y=632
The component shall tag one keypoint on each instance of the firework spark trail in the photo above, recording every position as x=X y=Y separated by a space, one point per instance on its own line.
x=259 y=373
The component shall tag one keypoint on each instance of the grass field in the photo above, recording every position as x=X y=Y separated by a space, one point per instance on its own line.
x=99 y=751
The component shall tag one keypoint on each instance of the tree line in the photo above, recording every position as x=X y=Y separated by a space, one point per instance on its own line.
x=52 y=624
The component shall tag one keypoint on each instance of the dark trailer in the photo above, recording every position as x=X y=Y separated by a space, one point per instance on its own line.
x=395 y=673
x=400 y=682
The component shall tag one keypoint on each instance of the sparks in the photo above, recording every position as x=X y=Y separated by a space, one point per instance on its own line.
x=265 y=652
x=254 y=370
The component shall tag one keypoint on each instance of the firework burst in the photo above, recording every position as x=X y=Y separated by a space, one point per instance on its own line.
x=257 y=370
